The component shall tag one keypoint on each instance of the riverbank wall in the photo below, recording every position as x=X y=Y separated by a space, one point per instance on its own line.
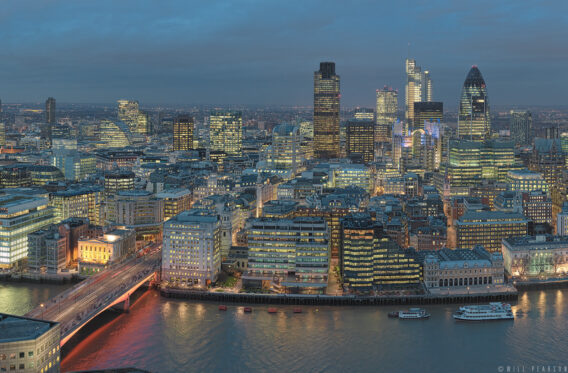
x=43 y=278
x=330 y=300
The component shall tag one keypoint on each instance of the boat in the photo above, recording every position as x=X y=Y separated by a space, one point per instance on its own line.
x=272 y=310
x=222 y=307
x=247 y=309
x=491 y=311
x=413 y=314
x=393 y=314
x=297 y=310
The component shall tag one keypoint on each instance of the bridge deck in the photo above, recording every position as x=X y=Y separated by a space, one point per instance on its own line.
x=78 y=305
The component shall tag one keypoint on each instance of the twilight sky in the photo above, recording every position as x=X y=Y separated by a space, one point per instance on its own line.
x=265 y=52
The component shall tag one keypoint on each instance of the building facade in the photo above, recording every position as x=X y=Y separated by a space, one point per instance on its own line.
x=191 y=248
x=29 y=345
x=326 y=112
x=474 y=121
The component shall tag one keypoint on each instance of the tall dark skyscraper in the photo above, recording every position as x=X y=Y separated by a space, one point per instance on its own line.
x=521 y=127
x=50 y=110
x=427 y=112
x=474 y=122
x=326 y=112
x=183 y=133
x=49 y=122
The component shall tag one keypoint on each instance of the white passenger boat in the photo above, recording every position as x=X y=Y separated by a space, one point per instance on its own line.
x=491 y=311
x=413 y=313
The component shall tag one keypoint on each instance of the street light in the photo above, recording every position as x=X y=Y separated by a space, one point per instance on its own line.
x=41 y=305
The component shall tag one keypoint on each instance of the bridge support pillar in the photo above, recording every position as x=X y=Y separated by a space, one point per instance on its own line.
x=126 y=304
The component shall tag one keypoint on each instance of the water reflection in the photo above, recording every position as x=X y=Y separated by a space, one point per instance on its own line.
x=165 y=335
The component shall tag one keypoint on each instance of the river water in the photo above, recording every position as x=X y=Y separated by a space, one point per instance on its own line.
x=168 y=335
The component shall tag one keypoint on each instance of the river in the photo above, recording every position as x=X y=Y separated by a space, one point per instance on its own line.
x=169 y=335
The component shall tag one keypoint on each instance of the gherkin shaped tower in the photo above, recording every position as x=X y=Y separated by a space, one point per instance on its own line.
x=474 y=122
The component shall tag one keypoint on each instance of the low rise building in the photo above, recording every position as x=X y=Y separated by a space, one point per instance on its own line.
x=543 y=256
x=472 y=270
x=97 y=253
x=29 y=345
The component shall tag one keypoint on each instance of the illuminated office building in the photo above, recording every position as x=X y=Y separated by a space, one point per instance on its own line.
x=526 y=181
x=347 y=175
x=143 y=125
x=19 y=216
x=418 y=89
x=326 y=112
x=74 y=165
x=359 y=141
x=175 y=201
x=427 y=112
x=225 y=132
x=471 y=162
x=191 y=250
x=114 y=134
x=370 y=259
x=15 y=176
x=183 y=133
x=118 y=180
x=548 y=158
x=293 y=253
x=362 y=113
x=474 y=121
x=284 y=155
x=488 y=228
x=44 y=174
x=84 y=202
x=2 y=133
x=128 y=113
x=521 y=127
x=387 y=107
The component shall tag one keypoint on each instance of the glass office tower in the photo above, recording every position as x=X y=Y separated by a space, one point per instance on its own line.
x=326 y=112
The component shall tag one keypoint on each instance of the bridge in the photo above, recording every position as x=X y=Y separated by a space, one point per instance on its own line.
x=78 y=305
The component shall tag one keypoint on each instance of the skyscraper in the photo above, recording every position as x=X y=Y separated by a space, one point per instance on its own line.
x=474 y=122
x=359 y=141
x=45 y=130
x=183 y=133
x=326 y=112
x=50 y=110
x=418 y=89
x=521 y=127
x=225 y=132
x=387 y=106
x=128 y=113
x=427 y=112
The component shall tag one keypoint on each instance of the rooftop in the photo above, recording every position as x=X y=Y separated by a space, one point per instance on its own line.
x=17 y=328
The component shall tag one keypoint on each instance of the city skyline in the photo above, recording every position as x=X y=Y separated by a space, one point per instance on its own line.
x=217 y=57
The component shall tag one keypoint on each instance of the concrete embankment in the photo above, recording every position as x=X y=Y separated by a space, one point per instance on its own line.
x=328 y=300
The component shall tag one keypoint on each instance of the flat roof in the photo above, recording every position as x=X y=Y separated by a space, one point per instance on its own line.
x=18 y=328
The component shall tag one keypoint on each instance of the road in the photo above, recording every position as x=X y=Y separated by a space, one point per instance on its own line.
x=80 y=303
